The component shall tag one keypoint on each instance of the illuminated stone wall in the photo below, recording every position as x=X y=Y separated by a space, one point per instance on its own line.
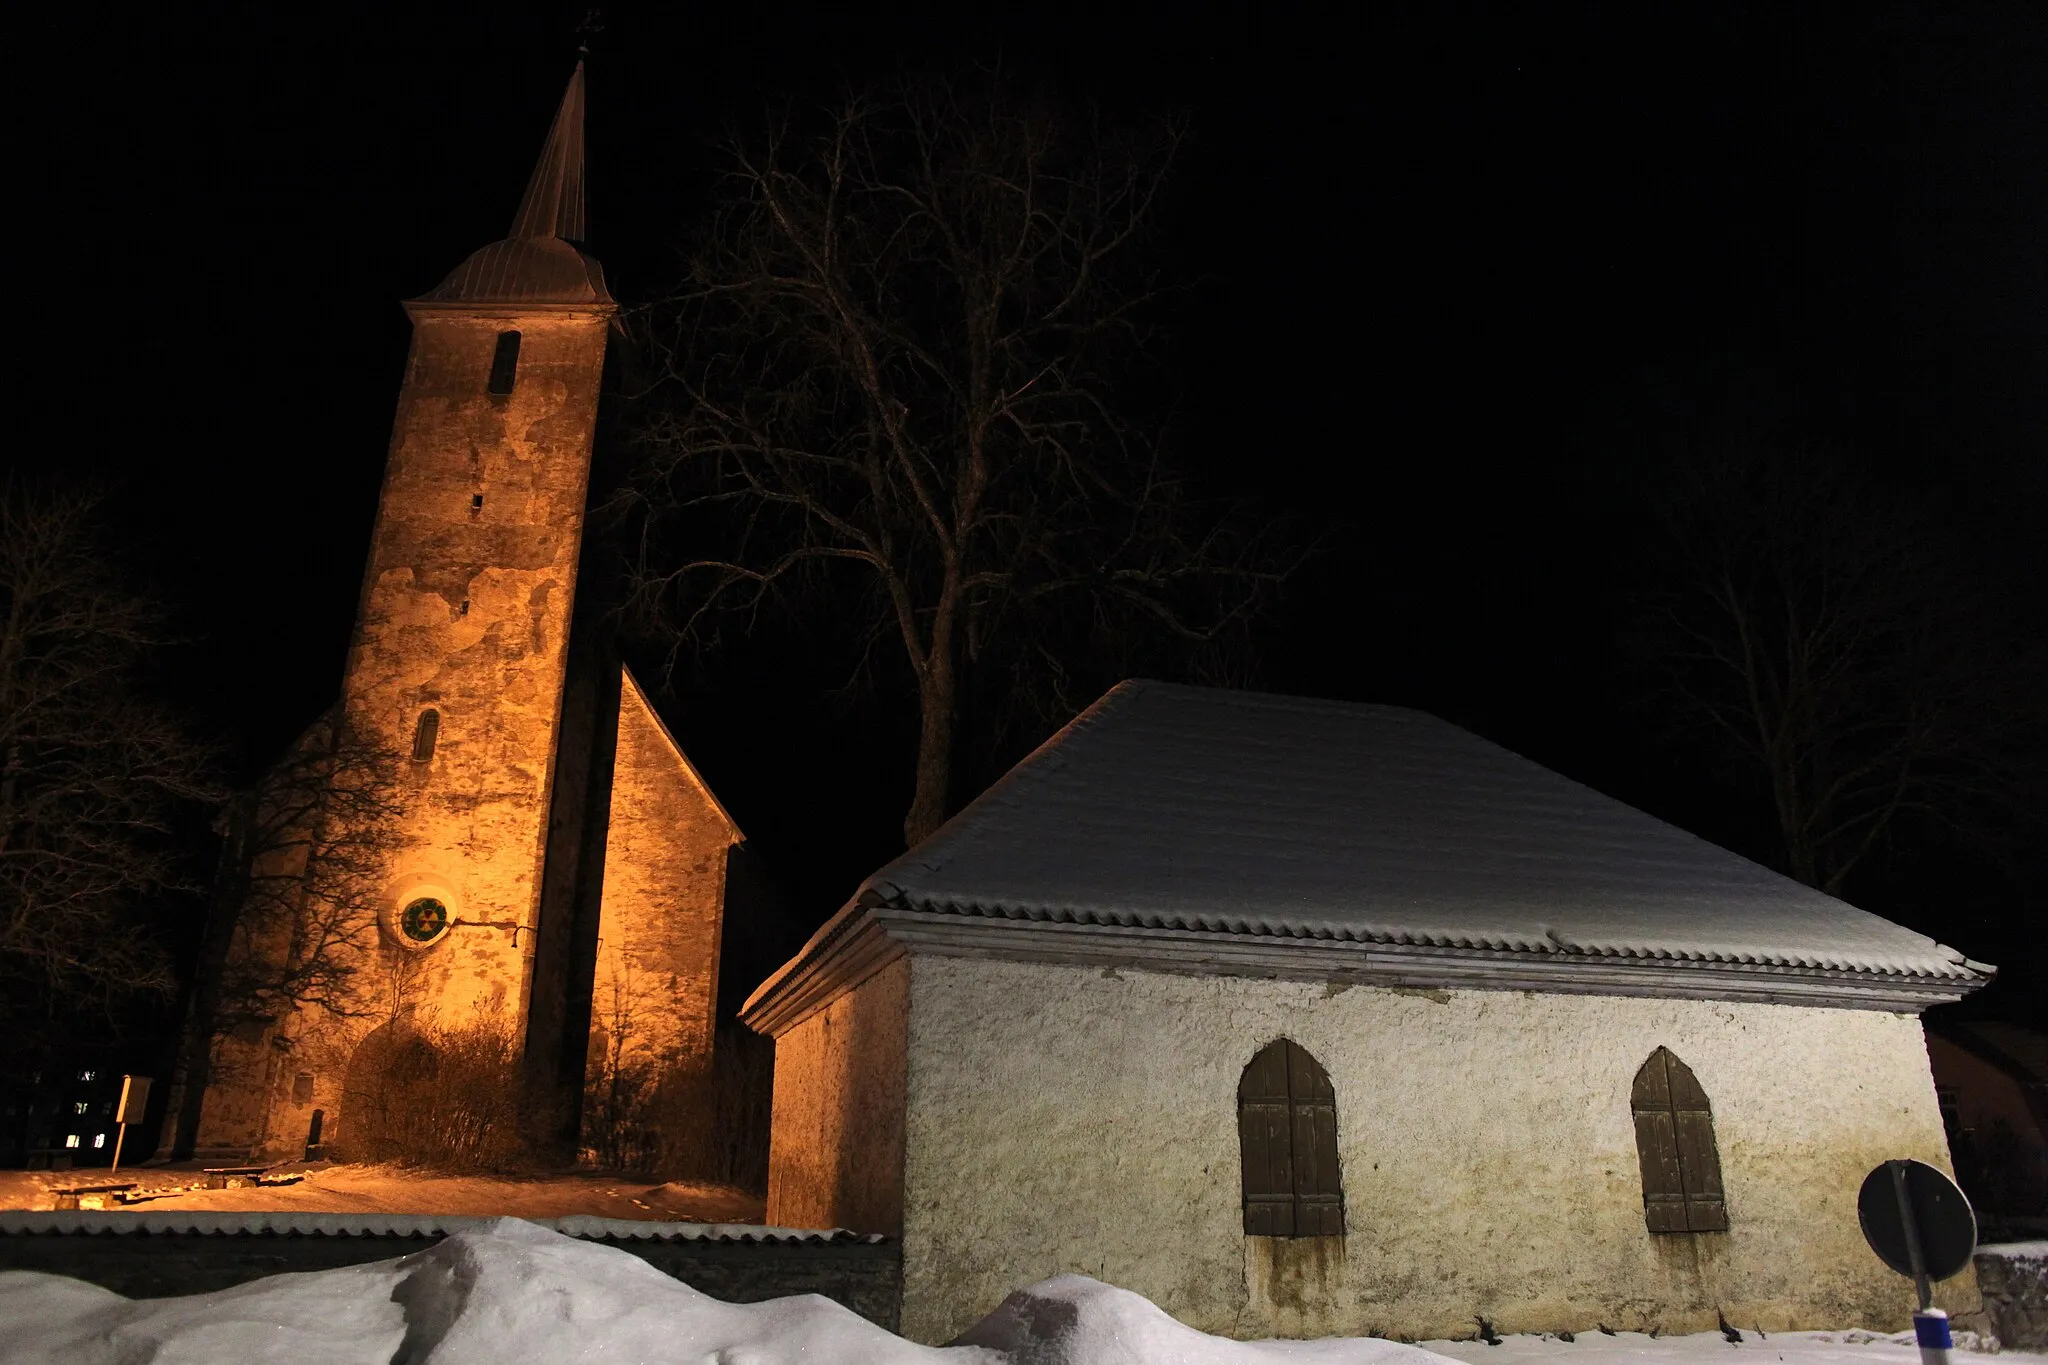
x=465 y=611
x=835 y=1159
x=1072 y=1119
x=656 y=981
x=237 y=1116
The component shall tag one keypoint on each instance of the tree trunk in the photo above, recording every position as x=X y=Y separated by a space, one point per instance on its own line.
x=194 y=1070
x=938 y=708
x=1802 y=857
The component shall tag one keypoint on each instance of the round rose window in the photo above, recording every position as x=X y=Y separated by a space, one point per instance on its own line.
x=423 y=920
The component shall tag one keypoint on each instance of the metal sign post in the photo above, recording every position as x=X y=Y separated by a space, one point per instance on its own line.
x=1910 y=1227
x=134 y=1099
x=1919 y=1224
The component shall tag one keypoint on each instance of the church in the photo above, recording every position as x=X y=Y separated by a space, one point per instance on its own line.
x=1297 y=1017
x=499 y=826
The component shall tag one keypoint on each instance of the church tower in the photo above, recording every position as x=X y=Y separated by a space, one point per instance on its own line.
x=456 y=667
x=536 y=854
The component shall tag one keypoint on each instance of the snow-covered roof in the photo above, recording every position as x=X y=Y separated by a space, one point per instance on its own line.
x=1186 y=808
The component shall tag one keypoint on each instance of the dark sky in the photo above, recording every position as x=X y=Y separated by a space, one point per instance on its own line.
x=1459 y=262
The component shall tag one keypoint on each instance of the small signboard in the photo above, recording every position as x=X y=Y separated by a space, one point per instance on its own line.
x=134 y=1099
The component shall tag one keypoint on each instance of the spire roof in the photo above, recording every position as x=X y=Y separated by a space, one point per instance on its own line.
x=553 y=206
x=540 y=262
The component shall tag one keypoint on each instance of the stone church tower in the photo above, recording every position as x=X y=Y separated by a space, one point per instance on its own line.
x=462 y=638
x=554 y=873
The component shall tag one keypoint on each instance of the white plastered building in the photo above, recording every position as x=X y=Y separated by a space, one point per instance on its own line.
x=1302 y=1017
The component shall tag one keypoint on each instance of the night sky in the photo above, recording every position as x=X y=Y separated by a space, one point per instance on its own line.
x=1460 y=264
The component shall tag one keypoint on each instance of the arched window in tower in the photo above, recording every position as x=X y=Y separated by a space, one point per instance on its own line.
x=1675 y=1143
x=1287 y=1141
x=425 y=734
x=504 y=364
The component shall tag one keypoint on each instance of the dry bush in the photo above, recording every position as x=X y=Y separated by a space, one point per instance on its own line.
x=669 y=1117
x=440 y=1096
x=621 y=1098
x=742 y=1076
x=664 y=1112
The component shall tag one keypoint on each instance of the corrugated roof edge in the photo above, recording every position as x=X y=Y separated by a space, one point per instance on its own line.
x=1961 y=969
x=864 y=939
x=19 y=1222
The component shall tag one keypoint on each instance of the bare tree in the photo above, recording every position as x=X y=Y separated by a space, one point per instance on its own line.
x=895 y=394
x=92 y=771
x=620 y=1128
x=293 y=923
x=1815 y=635
x=303 y=874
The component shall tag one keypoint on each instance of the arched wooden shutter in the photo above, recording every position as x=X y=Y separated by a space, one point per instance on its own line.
x=1675 y=1143
x=1287 y=1143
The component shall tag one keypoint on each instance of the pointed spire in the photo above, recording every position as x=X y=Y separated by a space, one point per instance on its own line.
x=553 y=206
x=542 y=261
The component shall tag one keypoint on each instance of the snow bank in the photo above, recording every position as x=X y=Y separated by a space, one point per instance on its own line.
x=511 y=1292
x=1073 y=1320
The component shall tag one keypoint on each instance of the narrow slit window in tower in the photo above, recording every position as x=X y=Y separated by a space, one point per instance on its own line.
x=425 y=734
x=505 y=364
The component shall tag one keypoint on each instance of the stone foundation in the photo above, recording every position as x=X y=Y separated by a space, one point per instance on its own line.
x=2013 y=1278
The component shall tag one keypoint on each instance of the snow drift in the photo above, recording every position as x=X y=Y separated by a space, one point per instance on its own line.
x=512 y=1292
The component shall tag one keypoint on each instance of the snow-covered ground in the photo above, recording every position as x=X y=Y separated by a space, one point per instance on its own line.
x=323 y=1188
x=1711 y=1348
x=511 y=1292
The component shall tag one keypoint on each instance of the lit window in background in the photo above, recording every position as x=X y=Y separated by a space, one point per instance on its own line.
x=82 y=1107
x=99 y=1139
x=71 y=1140
x=87 y=1075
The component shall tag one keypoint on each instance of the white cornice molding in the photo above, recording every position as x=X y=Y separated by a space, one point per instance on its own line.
x=860 y=940
x=852 y=947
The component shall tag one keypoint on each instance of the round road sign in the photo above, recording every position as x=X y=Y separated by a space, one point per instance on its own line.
x=1940 y=1216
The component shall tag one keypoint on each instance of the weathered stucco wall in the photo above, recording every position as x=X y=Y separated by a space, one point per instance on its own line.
x=1076 y=1119
x=836 y=1155
x=664 y=897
